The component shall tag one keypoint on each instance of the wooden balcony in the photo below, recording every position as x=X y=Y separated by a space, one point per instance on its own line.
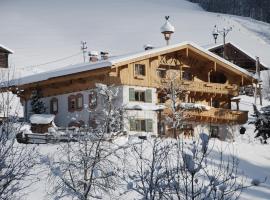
x=205 y=87
x=214 y=115
x=218 y=115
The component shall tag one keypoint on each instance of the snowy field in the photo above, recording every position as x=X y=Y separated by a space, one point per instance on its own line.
x=43 y=31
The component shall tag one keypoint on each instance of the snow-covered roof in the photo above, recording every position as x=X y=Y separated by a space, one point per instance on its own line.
x=212 y=47
x=72 y=69
x=145 y=107
x=41 y=118
x=6 y=49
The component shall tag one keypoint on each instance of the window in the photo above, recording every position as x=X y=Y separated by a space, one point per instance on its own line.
x=139 y=70
x=141 y=125
x=71 y=103
x=214 y=131
x=54 y=106
x=92 y=99
x=187 y=76
x=79 y=102
x=162 y=73
x=215 y=104
x=187 y=130
x=139 y=95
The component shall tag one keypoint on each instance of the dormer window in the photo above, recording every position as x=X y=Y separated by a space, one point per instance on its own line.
x=139 y=70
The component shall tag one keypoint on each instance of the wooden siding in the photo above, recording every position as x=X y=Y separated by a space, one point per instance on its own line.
x=3 y=60
x=214 y=115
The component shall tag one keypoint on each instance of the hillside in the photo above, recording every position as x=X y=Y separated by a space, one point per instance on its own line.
x=40 y=32
x=255 y=9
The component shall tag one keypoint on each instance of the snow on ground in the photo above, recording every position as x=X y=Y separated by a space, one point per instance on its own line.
x=253 y=156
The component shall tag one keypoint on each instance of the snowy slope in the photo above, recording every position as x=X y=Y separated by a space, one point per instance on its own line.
x=44 y=31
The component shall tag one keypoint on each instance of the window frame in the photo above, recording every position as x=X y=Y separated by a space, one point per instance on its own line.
x=70 y=99
x=140 y=94
x=52 y=101
x=78 y=96
x=212 y=129
x=139 y=70
x=90 y=96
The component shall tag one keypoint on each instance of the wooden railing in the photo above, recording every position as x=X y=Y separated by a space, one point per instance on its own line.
x=214 y=115
x=218 y=115
x=205 y=87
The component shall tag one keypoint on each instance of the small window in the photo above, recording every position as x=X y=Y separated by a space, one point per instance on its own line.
x=93 y=99
x=139 y=95
x=71 y=103
x=141 y=125
x=162 y=73
x=214 y=131
x=187 y=76
x=54 y=106
x=215 y=104
x=79 y=102
x=139 y=70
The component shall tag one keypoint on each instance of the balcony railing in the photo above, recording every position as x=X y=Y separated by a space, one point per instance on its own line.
x=214 y=115
x=205 y=87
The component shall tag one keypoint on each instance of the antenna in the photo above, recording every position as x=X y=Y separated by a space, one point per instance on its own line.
x=83 y=48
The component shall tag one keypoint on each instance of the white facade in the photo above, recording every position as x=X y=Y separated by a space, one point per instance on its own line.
x=64 y=117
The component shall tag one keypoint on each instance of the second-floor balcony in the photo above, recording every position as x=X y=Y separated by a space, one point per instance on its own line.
x=212 y=115
x=208 y=87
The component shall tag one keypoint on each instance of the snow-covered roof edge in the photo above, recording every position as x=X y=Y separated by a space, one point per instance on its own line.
x=7 y=49
x=239 y=48
x=72 y=69
x=157 y=50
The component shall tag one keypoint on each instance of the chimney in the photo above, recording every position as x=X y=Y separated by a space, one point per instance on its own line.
x=93 y=56
x=104 y=55
x=148 y=47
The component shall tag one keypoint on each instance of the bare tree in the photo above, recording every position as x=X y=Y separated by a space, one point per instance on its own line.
x=16 y=160
x=86 y=169
x=145 y=171
x=196 y=174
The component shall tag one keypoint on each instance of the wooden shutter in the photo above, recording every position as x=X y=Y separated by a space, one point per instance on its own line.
x=132 y=125
x=148 y=96
x=131 y=94
x=149 y=125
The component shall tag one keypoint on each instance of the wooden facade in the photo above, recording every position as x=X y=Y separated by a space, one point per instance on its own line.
x=4 y=53
x=205 y=78
x=237 y=56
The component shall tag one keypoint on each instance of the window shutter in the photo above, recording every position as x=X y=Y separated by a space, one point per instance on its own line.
x=132 y=125
x=131 y=94
x=148 y=96
x=149 y=125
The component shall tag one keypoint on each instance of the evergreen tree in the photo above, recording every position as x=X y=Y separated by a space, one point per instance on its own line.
x=262 y=123
x=38 y=106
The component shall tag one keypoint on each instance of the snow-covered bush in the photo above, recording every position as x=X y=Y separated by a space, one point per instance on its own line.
x=262 y=123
